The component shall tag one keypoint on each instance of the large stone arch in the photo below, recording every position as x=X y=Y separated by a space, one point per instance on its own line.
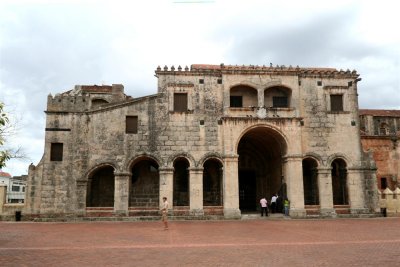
x=310 y=180
x=340 y=186
x=187 y=156
x=181 y=180
x=144 y=185
x=100 y=186
x=261 y=149
x=138 y=157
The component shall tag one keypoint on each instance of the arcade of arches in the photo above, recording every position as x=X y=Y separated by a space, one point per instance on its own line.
x=260 y=174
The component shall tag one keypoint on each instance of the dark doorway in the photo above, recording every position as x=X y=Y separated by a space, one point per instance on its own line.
x=212 y=180
x=310 y=182
x=181 y=182
x=144 y=189
x=339 y=182
x=101 y=188
x=260 y=167
x=247 y=190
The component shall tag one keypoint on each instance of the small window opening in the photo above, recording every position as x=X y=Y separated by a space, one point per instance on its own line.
x=319 y=83
x=56 y=152
x=180 y=102
x=336 y=102
x=201 y=81
x=383 y=183
x=280 y=102
x=131 y=124
x=219 y=81
x=236 y=101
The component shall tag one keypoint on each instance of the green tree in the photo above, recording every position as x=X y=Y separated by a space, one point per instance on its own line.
x=4 y=153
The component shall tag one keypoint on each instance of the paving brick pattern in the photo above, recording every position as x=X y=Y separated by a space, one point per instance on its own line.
x=338 y=242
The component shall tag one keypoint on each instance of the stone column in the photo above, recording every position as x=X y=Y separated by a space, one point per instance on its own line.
x=121 y=193
x=325 y=192
x=196 y=191
x=294 y=181
x=3 y=194
x=231 y=187
x=166 y=185
x=355 y=188
x=81 y=193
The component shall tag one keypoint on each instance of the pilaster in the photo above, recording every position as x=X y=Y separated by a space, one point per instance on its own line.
x=231 y=187
x=196 y=191
x=166 y=185
x=121 y=193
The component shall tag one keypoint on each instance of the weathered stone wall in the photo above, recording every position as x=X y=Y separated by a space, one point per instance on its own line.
x=96 y=137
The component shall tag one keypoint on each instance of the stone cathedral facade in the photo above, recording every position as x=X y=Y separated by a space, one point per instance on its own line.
x=214 y=139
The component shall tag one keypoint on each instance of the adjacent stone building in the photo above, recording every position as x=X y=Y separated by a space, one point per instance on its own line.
x=380 y=134
x=214 y=139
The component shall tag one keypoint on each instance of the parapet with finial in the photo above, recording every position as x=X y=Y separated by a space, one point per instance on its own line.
x=218 y=70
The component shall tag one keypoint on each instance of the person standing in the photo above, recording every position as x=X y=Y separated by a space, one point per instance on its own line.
x=264 y=206
x=286 y=206
x=273 y=203
x=164 y=213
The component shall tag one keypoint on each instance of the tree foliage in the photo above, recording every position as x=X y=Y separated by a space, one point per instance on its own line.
x=4 y=153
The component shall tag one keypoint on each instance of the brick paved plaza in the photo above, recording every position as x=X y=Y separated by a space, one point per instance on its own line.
x=336 y=242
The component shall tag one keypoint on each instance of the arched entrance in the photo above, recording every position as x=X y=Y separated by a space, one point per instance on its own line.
x=310 y=182
x=100 y=188
x=339 y=182
x=260 y=153
x=145 y=184
x=181 y=182
x=212 y=181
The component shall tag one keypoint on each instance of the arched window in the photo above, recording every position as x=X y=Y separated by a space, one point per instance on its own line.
x=243 y=96
x=277 y=97
x=98 y=102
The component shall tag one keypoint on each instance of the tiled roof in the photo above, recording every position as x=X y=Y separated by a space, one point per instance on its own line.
x=380 y=112
x=5 y=174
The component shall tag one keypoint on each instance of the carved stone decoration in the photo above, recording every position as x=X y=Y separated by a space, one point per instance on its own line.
x=262 y=113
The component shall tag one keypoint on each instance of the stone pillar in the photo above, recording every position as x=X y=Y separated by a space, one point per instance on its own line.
x=121 y=193
x=294 y=180
x=231 y=187
x=355 y=188
x=3 y=195
x=166 y=185
x=196 y=191
x=325 y=192
x=81 y=194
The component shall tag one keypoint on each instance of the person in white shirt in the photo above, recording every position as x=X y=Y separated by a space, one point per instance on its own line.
x=264 y=206
x=273 y=203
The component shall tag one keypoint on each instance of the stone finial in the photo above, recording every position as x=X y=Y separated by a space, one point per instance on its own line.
x=172 y=68
x=347 y=71
x=290 y=67
x=158 y=68
x=222 y=65
x=186 y=68
x=179 y=68
x=165 y=68
x=354 y=72
x=270 y=65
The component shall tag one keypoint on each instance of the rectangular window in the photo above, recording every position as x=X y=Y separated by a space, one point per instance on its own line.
x=219 y=81
x=131 y=124
x=180 y=102
x=15 y=188
x=56 y=152
x=280 y=101
x=201 y=81
x=23 y=189
x=236 y=101
x=383 y=183
x=336 y=102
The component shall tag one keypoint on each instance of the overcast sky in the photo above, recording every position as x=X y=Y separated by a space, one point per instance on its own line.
x=50 y=46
